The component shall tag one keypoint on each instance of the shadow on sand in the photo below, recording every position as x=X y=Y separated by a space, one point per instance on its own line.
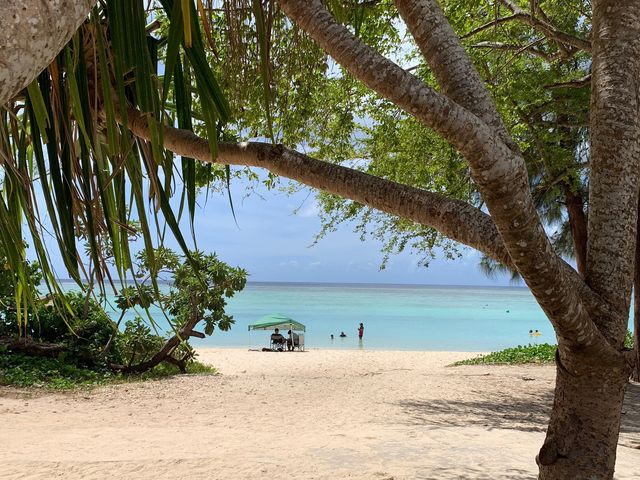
x=442 y=473
x=529 y=413
x=631 y=411
x=526 y=414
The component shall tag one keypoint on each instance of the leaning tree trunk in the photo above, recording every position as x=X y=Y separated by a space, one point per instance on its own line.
x=585 y=421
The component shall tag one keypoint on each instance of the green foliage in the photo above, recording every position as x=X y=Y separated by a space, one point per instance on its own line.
x=9 y=322
x=543 y=353
x=198 y=293
x=53 y=373
x=26 y=371
x=91 y=340
x=316 y=103
x=8 y=281
x=137 y=343
x=91 y=173
x=629 y=340
x=165 y=369
x=200 y=289
x=76 y=320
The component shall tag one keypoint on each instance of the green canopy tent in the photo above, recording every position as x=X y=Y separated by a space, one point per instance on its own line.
x=271 y=322
x=282 y=322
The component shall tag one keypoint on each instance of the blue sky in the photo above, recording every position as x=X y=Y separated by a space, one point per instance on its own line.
x=273 y=242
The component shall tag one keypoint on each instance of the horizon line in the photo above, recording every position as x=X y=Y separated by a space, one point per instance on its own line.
x=293 y=282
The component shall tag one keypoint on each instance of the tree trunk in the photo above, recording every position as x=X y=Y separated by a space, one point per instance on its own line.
x=578 y=222
x=585 y=421
x=32 y=32
x=635 y=375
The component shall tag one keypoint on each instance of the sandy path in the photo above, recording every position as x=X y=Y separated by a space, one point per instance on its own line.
x=313 y=415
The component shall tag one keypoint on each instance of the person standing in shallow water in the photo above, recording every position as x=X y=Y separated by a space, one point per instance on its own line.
x=360 y=331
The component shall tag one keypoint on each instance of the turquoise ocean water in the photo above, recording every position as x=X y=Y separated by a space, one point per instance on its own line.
x=395 y=317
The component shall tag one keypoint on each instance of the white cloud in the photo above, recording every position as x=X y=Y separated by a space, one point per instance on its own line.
x=290 y=264
x=309 y=209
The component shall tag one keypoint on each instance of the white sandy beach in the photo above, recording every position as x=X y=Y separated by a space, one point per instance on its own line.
x=320 y=414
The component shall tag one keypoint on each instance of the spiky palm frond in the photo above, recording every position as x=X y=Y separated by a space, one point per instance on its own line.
x=64 y=139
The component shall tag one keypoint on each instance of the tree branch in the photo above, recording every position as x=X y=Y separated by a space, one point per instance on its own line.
x=518 y=49
x=28 y=346
x=456 y=74
x=577 y=83
x=32 y=32
x=454 y=218
x=498 y=171
x=488 y=25
x=546 y=28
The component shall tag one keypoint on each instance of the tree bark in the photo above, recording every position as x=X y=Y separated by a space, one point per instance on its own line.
x=635 y=374
x=578 y=223
x=456 y=74
x=165 y=354
x=614 y=159
x=32 y=32
x=584 y=426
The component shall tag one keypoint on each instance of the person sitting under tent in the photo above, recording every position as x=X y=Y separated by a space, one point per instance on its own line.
x=293 y=340
x=277 y=340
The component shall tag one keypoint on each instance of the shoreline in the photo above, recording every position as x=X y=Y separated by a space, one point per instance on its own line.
x=205 y=348
x=327 y=414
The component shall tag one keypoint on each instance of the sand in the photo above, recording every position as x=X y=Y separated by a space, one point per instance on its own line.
x=319 y=414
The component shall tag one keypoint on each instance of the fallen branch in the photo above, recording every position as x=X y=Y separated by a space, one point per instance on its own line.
x=30 y=347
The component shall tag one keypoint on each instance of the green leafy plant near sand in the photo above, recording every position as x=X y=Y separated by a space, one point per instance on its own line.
x=543 y=353
x=59 y=374
x=538 y=354
x=70 y=341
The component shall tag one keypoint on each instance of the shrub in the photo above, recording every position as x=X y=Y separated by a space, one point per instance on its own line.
x=77 y=321
x=543 y=353
x=137 y=343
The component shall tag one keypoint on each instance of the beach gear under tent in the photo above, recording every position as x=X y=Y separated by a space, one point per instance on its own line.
x=282 y=322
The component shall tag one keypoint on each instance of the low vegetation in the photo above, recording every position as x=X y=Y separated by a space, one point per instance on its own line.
x=536 y=354
x=68 y=340
x=543 y=353
x=22 y=371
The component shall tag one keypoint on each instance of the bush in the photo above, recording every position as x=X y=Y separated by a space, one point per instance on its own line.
x=539 y=354
x=85 y=329
x=628 y=341
x=51 y=373
x=137 y=343
x=543 y=353
x=27 y=371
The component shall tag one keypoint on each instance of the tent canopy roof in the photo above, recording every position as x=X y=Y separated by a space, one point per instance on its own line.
x=282 y=322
